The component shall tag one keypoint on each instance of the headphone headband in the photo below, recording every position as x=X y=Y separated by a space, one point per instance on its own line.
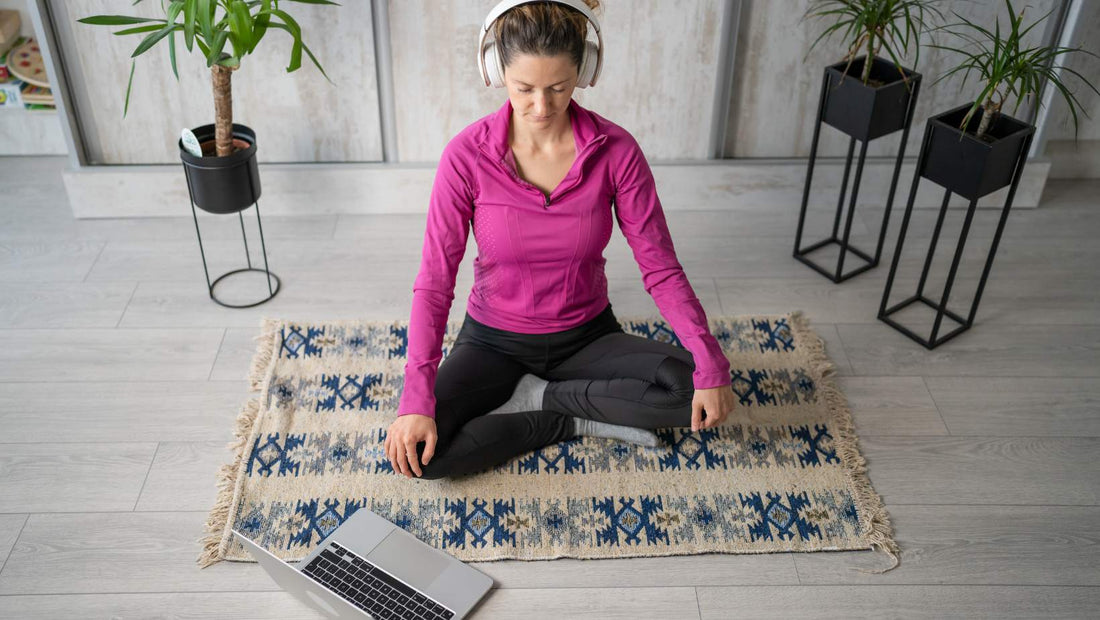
x=505 y=5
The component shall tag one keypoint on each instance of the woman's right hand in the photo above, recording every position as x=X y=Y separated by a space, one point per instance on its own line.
x=401 y=439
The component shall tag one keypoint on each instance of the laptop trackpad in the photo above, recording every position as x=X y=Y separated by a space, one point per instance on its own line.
x=409 y=559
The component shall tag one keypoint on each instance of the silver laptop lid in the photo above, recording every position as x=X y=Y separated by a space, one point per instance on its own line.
x=301 y=587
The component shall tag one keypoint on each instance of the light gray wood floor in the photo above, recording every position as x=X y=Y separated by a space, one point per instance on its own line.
x=120 y=380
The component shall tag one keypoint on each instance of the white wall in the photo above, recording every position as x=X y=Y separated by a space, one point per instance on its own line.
x=775 y=93
x=659 y=82
x=297 y=117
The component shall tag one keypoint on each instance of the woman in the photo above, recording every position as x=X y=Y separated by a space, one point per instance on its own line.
x=540 y=357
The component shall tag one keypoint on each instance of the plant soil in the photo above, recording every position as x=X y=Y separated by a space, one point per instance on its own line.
x=210 y=146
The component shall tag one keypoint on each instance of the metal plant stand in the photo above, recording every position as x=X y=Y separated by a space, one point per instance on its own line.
x=865 y=131
x=210 y=285
x=973 y=188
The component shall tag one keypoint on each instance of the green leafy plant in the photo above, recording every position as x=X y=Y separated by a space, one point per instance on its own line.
x=210 y=25
x=1006 y=68
x=871 y=25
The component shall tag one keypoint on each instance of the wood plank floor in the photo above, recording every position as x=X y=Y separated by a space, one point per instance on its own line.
x=120 y=381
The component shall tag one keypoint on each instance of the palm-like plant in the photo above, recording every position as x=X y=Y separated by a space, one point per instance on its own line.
x=1002 y=63
x=241 y=23
x=871 y=25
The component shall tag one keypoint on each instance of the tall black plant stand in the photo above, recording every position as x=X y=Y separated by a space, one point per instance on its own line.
x=227 y=184
x=972 y=169
x=863 y=113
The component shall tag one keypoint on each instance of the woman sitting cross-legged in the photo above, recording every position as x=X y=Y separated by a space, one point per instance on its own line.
x=540 y=357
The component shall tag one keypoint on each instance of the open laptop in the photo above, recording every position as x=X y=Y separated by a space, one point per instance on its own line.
x=370 y=568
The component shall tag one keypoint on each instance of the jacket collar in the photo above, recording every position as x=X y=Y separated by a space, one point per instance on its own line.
x=494 y=142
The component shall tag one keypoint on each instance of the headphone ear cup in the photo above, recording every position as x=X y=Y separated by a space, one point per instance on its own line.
x=588 y=64
x=492 y=66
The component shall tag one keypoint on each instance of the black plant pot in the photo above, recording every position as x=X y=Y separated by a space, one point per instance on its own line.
x=867 y=112
x=966 y=165
x=223 y=184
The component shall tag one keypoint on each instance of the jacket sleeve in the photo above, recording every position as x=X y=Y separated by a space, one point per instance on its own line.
x=638 y=211
x=446 y=231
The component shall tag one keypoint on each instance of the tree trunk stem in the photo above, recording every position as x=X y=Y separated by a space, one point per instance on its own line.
x=988 y=110
x=870 y=57
x=223 y=109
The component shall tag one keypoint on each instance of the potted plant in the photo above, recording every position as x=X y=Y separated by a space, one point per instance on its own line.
x=225 y=179
x=876 y=104
x=976 y=149
x=973 y=148
x=865 y=97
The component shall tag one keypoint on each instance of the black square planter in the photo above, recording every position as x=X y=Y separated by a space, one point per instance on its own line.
x=968 y=166
x=867 y=112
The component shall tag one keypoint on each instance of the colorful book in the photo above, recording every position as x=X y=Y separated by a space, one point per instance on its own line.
x=37 y=94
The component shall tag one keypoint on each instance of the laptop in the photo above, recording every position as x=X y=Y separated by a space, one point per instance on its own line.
x=370 y=568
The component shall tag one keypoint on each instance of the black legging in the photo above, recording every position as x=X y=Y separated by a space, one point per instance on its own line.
x=595 y=370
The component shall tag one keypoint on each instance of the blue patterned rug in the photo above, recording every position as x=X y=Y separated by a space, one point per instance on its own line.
x=783 y=473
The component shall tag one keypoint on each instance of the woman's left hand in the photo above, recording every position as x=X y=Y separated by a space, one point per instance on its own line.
x=717 y=402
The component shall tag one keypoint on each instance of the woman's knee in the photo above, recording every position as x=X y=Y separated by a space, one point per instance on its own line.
x=676 y=376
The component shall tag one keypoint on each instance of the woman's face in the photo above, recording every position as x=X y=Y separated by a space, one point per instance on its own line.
x=540 y=87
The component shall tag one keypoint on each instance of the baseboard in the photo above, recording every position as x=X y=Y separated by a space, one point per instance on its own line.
x=316 y=189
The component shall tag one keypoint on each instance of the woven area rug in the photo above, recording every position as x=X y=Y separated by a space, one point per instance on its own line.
x=783 y=473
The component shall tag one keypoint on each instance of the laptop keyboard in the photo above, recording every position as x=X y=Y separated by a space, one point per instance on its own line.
x=370 y=588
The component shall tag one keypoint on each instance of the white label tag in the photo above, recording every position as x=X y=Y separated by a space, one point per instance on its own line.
x=191 y=143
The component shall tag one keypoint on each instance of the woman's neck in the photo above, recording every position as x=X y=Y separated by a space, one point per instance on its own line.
x=540 y=140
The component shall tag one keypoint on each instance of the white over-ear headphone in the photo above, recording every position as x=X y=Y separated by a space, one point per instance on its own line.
x=489 y=62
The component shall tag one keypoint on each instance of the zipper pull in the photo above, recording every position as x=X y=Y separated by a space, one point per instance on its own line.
x=547 y=205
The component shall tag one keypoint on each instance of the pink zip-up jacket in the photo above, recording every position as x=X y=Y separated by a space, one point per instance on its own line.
x=540 y=264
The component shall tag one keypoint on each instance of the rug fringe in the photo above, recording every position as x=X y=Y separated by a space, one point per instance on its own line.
x=265 y=349
x=215 y=542
x=879 y=534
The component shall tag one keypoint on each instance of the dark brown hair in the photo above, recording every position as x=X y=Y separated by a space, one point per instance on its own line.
x=542 y=29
